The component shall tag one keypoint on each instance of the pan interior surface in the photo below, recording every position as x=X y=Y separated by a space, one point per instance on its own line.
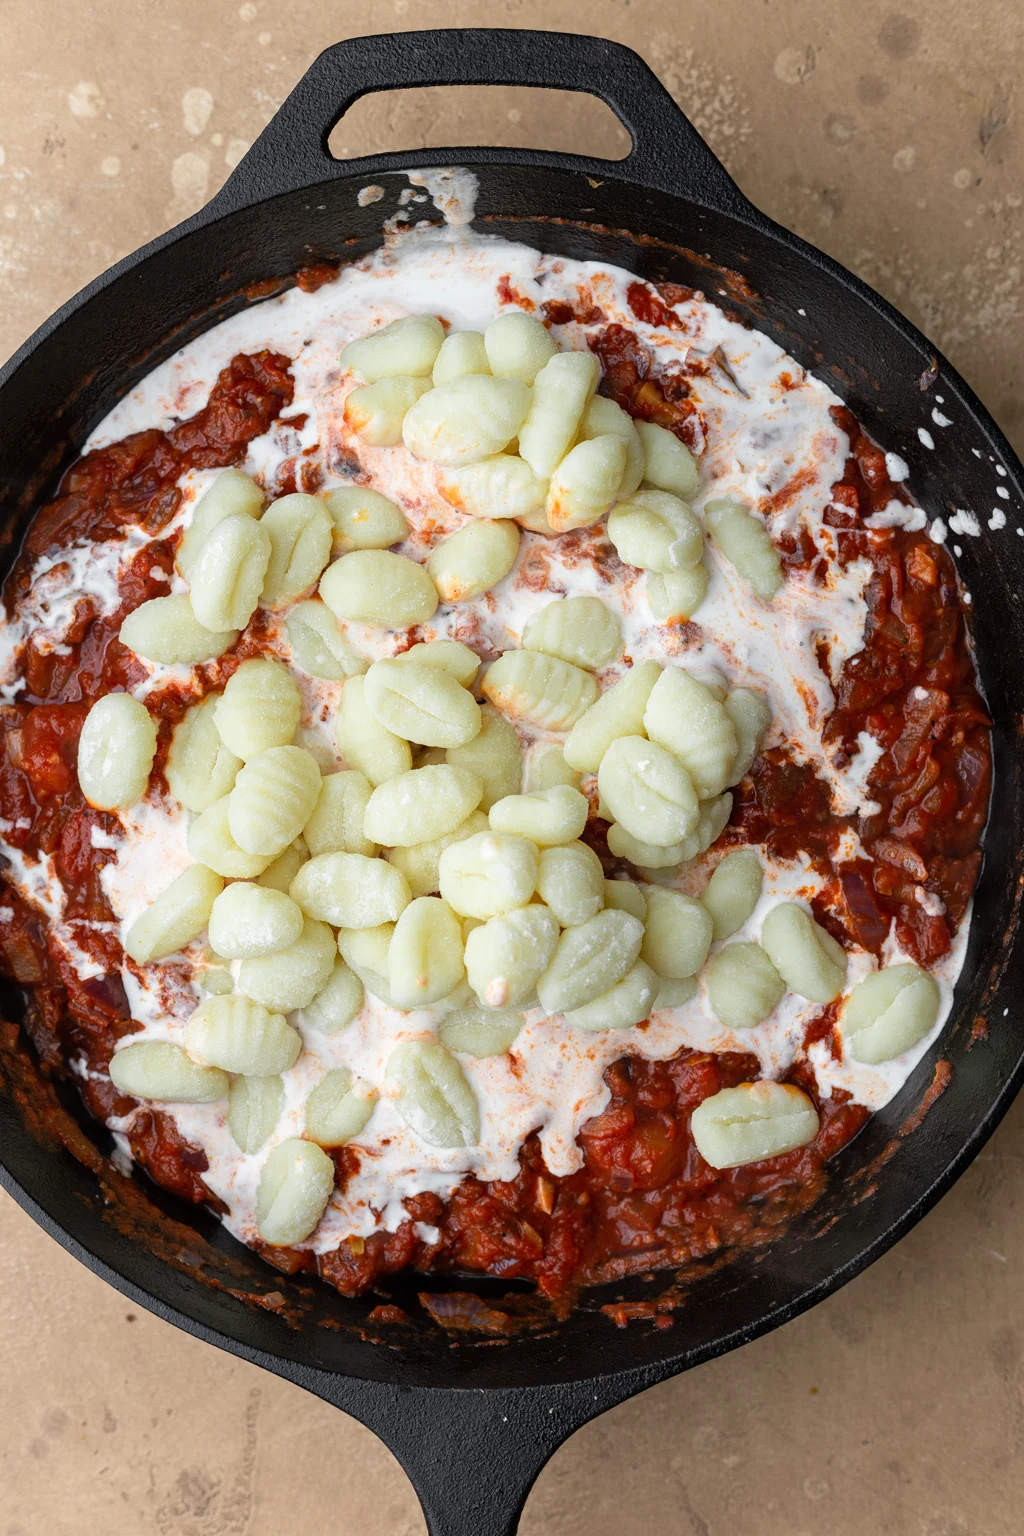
x=66 y=380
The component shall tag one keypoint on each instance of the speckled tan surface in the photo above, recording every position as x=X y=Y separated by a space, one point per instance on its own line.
x=893 y=139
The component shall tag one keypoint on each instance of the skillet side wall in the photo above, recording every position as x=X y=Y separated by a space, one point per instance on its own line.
x=68 y=377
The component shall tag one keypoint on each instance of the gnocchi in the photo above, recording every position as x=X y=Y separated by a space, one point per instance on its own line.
x=425 y=953
x=808 y=959
x=376 y=412
x=675 y=596
x=589 y=960
x=368 y=747
x=480 y=1032
x=546 y=817
x=506 y=956
x=732 y=893
x=627 y=897
x=272 y=799
x=292 y=977
x=211 y=843
x=336 y=1111
x=493 y=755
x=228 y=572
x=743 y=986
x=233 y=493
x=580 y=630
x=166 y=630
x=627 y=1003
x=517 y=346
x=259 y=708
x=603 y=417
x=336 y=1004
x=677 y=933
x=488 y=874
x=420 y=863
x=335 y=824
x=422 y=704
x=888 y=1012
x=502 y=485
x=301 y=535
x=668 y=463
x=421 y=805
x=750 y=714
x=751 y=1122
x=349 y=890
x=652 y=856
x=374 y=586
x=585 y=484
x=647 y=791
x=561 y=391
x=156 y=1069
x=746 y=543
x=432 y=1094
x=248 y=920
x=364 y=519
x=618 y=712
x=655 y=531
x=279 y=875
x=200 y=767
x=295 y=1186
x=540 y=690
x=116 y=751
x=450 y=656
x=178 y=916
x=408 y=346
x=570 y=882
x=473 y=560
x=545 y=767
x=237 y=1035
x=684 y=716
x=461 y=352
x=468 y=419
x=254 y=1108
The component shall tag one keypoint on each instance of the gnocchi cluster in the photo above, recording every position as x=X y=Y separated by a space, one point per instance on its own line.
x=443 y=870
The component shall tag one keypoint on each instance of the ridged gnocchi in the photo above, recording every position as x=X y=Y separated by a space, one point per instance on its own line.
x=232 y=493
x=545 y=767
x=421 y=805
x=248 y=920
x=461 y=352
x=746 y=543
x=647 y=790
x=570 y=881
x=301 y=535
x=603 y=417
x=743 y=985
x=888 y=1012
x=677 y=933
x=200 y=767
x=468 y=419
x=408 y=346
x=374 y=586
x=488 y=874
x=684 y=716
x=254 y=1108
x=751 y=715
x=655 y=531
x=561 y=391
x=589 y=959
x=585 y=484
x=272 y=799
x=116 y=751
x=156 y=1069
x=336 y=1110
x=627 y=1003
x=259 y=708
x=210 y=842
x=668 y=463
x=506 y=956
x=295 y=1185
x=580 y=630
x=675 y=596
x=362 y=518
x=808 y=959
x=166 y=630
x=179 y=915
x=474 y=559
x=348 y=890
x=450 y=656
x=493 y=756
x=335 y=824
x=337 y=1002
x=432 y=1094
x=368 y=746
x=540 y=690
x=292 y=977
x=376 y=412
x=279 y=874
x=425 y=953
x=420 y=862
x=480 y=1032
x=502 y=485
x=546 y=816
x=626 y=897
x=732 y=893
x=517 y=346
x=618 y=712
x=752 y=1121
x=237 y=1035
x=227 y=575
x=421 y=704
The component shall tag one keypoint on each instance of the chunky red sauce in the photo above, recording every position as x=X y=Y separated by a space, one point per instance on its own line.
x=644 y=1198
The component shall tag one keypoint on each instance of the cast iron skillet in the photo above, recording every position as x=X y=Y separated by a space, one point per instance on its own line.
x=473 y=1424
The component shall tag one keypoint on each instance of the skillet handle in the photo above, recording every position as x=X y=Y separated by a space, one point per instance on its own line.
x=668 y=153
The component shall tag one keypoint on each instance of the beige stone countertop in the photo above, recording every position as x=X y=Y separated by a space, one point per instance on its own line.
x=892 y=137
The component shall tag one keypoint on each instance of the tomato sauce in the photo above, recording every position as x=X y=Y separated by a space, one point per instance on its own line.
x=644 y=1197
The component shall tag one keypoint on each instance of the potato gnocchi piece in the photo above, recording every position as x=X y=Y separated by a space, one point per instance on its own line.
x=377 y=412
x=546 y=817
x=561 y=391
x=743 y=986
x=366 y=949
x=684 y=716
x=668 y=463
x=336 y=1111
x=156 y=1069
x=480 y=1032
x=585 y=484
x=301 y=534
x=116 y=751
x=279 y=875
x=249 y=920
x=675 y=596
x=349 y=890
x=570 y=881
x=432 y=1094
x=449 y=656
x=546 y=767
x=655 y=531
x=210 y=842
x=618 y=712
x=367 y=745
x=888 y=1012
x=537 y=522
x=580 y=630
x=425 y=954
x=254 y=1108
x=675 y=991
x=753 y=1121
x=166 y=630
x=373 y=586
x=647 y=791
x=746 y=543
x=335 y=824
x=539 y=690
x=179 y=915
x=421 y=704
x=468 y=419
x=408 y=346
x=291 y=978
x=626 y=896
x=473 y=560
x=238 y=1035
x=317 y=644
x=420 y=863
x=462 y=352
x=733 y=891
x=295 y=1186
x=649 y=856
x=711 y=822
x=751 y=715
x=502 y=485
x=363 y=519
x=421 y=805
x=337 y=1002
x=494 y=756
x=590 y=959
x=808 y=959
x=603 y=417
x=259 y=708
x=506 y=956
x=228 y=572
x=677 y=933
x=488 y=874
x=517 y=346
x=233 y=493
x=629 y=1002
x=272 y=800
x=200 y=768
